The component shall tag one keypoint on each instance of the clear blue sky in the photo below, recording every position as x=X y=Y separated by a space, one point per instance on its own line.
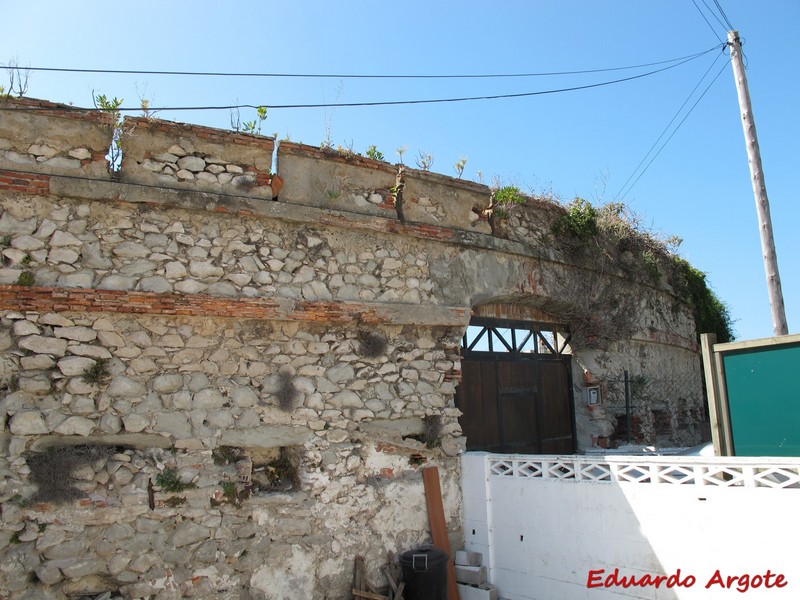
x=583 y=143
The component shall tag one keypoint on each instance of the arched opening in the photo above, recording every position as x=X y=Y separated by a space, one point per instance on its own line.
x=516 y=387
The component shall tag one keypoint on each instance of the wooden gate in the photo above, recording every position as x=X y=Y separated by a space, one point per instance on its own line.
x=516 y=388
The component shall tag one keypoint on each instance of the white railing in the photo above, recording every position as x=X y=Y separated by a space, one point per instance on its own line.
x=672 y=470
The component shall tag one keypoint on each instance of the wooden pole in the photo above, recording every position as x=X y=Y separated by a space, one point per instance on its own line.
x=759 y=188
x=433 y=498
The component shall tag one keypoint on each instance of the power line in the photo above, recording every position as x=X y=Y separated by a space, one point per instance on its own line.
x=724 y=16
x=377 y=103
x=714 y=31
x=714 y=14
x=352 y=76
x=674 y=131
x=664 y=131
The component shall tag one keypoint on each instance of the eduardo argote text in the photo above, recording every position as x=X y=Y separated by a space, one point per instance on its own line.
x=600 y=578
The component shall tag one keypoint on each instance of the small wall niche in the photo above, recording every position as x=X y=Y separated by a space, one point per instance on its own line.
x=263 y=470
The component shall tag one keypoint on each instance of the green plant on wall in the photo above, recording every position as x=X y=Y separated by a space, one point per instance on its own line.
x=254 y=126
x=711 y=315
x=175 y=501
x=111 y=106
x=169 y=481
x=26 y=278
x=508 y=195
x=579 y=220
x=373 y=153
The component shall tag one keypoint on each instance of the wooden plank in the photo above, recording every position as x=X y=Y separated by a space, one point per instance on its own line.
x=433 y=498
x=364 y=594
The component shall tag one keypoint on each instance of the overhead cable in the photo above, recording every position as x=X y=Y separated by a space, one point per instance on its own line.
x=702 y=14
x=621 y=198
x=353 y=76
x=724 y=16
x=714 y=14
x=377 y=103
x=666 y=128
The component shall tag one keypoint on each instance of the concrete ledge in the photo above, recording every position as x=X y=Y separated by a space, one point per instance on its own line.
x=131 y=440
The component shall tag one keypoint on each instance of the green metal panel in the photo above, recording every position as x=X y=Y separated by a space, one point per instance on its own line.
x=763 y=387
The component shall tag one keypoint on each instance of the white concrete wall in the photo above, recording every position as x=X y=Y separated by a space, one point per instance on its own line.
x=544 y=522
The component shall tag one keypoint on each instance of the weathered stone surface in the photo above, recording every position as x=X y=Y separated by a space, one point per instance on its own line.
x=44 y=345
x=173 y=424
x=187 y=533
x=81 y=334
x=29 y=422
x=76 y=426
x=267 y=437
x=167 y=383
x=192 y=163
x=131 y=250
x=125 y=387
x=135 y=423
x=72 y=366
x=155 y=284
x=64 y=238
x=210 y=398
x=118 y=282
x=346 y=399
x=10 y=225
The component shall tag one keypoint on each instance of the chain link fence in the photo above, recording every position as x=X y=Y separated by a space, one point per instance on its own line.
x=657 y=411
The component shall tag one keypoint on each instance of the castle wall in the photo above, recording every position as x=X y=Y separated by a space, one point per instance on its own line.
x=220 y=380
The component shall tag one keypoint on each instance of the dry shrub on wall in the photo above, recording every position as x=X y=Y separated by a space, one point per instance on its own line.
x=51 y=470
x=613 y=250
x=372 y=344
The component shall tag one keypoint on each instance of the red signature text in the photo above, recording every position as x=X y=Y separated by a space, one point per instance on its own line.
x=599 y=578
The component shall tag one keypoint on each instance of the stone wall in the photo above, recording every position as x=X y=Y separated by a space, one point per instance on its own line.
x=220 y=381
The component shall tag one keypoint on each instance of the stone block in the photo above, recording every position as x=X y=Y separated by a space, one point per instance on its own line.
x=469 y=559
x=470 y=575
x=73 y=142
x=468 y=592
x=439 y=200
x=192 y=156
x=335 y=180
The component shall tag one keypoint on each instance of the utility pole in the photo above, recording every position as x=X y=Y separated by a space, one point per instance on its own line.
x=759 y=188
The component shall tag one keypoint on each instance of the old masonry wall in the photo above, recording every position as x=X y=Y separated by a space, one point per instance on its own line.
x=223 y=382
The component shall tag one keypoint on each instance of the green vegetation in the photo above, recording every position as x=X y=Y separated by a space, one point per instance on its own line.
x=373 y=153
x=226 y=455
x=175 y=501
x=711 y=315
x=26 y=278
x=111 y=107
x=254 y=126
x=230 y=490
x=169 y=481
x=580 y=220
x=508 y=194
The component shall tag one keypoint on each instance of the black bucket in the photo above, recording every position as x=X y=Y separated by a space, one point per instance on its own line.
x=425 y=574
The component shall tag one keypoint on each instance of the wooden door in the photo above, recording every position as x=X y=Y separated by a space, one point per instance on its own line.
x=517 y=406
